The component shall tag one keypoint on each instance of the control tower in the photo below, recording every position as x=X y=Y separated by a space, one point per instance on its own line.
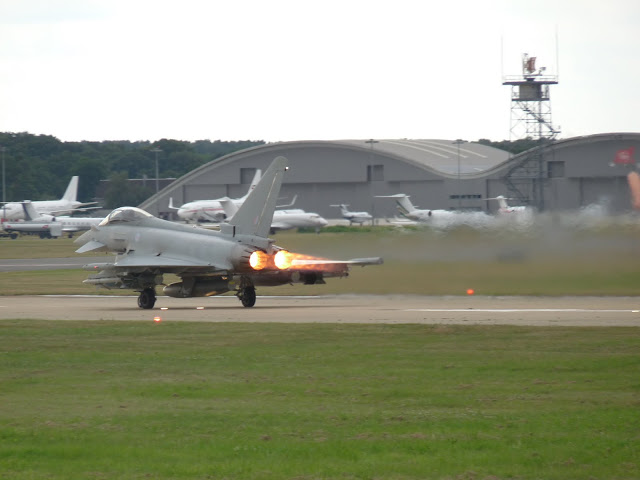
x=530 y=118
x=530 y=102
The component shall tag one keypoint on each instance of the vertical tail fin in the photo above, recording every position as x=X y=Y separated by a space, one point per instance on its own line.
x=229 y=207
x=502 y=202
x=29 y=211
x=404 y=204
x=71 y=193
x=255 y=215
x=254 y=183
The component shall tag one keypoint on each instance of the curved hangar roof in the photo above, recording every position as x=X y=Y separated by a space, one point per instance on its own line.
x=440 y=155
x=440 y=158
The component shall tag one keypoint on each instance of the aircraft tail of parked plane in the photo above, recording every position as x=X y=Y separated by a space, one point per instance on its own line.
x=504 y=207
x=30 y=213
x=403 y=203
x=71 y=193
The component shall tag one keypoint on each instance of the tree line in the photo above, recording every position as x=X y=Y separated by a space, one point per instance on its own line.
x=39 y=167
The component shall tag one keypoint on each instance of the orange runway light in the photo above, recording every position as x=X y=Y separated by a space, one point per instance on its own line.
x=470 y=291
x=157 y=319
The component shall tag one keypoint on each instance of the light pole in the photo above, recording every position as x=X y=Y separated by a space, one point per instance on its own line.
x=4 y=186
x=371 y=141
x=156 y=151
x=457 y=143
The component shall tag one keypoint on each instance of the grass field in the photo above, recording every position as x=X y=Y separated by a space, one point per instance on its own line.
x=107 y=400
x=104 y=400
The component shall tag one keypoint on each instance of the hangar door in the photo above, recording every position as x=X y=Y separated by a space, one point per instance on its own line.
x=610 y=192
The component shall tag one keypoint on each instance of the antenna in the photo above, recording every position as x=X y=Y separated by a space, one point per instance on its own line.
x=557 y=56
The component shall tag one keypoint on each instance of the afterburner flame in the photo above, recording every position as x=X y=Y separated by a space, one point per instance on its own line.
x=258 y=260
x=282 y=260
x=285 y=260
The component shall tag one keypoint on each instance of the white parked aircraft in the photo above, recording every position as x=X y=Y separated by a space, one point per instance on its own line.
x=283 y=219
x=48 y=226
x=505 y=208
x=353 y=217
x=210 y=210
x=408 y=210
x=66 y=205
x=238 y=258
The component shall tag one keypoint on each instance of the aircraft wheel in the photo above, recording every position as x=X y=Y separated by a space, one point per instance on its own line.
x=248 y=296
x=147 y=298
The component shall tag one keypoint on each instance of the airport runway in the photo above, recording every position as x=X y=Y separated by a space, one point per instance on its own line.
x=470 y=310
x=62 y=263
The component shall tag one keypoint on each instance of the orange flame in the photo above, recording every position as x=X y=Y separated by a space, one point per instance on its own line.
x=258 y=260
x=284 y=260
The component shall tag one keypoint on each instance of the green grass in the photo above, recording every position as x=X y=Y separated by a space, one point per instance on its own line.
x=190 y=400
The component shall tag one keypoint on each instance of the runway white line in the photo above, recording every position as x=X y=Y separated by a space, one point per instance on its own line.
x=519 y=310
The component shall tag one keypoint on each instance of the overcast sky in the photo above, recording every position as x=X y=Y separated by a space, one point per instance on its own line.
x=280 y=70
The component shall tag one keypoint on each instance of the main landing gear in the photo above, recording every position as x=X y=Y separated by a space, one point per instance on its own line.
x=147 y=298
x=247 y=296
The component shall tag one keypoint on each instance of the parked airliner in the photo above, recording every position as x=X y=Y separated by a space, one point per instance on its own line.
x=66 y=205
x=210 y=210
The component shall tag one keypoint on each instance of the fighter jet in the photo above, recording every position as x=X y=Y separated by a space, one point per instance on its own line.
x=237 y=258
x=353 y=217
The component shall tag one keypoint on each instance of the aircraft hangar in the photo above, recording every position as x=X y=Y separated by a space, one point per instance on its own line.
x=437 y=174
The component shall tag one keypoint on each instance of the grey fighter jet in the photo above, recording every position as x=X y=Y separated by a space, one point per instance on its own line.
x=237 y=258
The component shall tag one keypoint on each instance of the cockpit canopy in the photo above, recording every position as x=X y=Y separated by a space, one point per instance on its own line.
x=125 y=215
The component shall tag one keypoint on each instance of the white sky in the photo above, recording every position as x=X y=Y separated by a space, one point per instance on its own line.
x=279 y=70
